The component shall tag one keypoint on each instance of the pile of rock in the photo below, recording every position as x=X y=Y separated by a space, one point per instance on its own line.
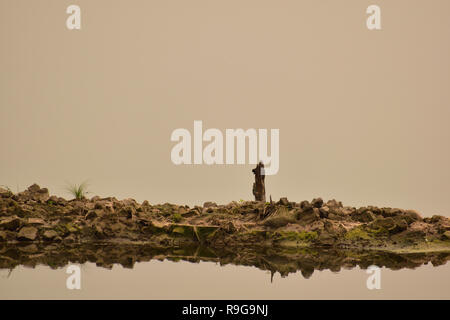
x=34 y=215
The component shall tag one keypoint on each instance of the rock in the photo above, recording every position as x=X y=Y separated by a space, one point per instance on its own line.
x=280 y=218
x=334 y=204
x=182 y=210
x=307 y=217
x=32 y=248
x=390 y=224
x=390 y=212
x=34 y=188
x=446 y=235
x=34 y=192
x=70 y=238
x=305 y=206
x=98 y=231
x=363 y=216
x=35 y=221
x=27 y=234
x=190 y=213
x=323 y=212
x=317 y=203
x=3 y=236
x=437 y=219
x=10 y=223
x=91 y=215
x=334 y=228
x=283 y=201
x=209 y=204
x=4 y=193
x=333 y=216
x=414 y=215
x=127 y=212
x=53 y=200
x=50 y=235
x=95 y=198
x=230 y=228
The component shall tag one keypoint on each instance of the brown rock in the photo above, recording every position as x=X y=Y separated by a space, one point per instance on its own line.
x=334 y=204
x=446 y=235
x=10 y=223
x=305 y=205
x=127 y=212
x=414 y=215
x=35 y=221
x=91 y=215
x=317 y=203
x=27 y=234
x=309 y=216
x=364 y=216
x=209 y=204
x=50 y=235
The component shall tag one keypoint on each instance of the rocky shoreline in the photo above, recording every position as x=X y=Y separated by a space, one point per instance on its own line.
x=33 y=216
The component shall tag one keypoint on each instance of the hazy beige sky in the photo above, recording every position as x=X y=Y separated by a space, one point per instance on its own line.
x=363 y=115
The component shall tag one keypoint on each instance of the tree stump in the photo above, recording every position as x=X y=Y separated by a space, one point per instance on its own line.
x=259 y=189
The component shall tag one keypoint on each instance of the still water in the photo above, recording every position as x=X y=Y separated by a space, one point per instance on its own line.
x=141 y=272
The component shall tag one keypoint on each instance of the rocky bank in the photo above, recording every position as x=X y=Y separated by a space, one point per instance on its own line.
x=33 y=216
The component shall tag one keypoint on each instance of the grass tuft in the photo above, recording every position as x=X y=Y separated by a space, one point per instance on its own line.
x=78 y=191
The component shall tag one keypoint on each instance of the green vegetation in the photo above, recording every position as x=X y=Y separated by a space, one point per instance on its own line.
x=78 y=191
x=357 y=234
x=177 y=217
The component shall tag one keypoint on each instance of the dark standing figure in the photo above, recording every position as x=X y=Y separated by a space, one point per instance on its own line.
x=259 y=189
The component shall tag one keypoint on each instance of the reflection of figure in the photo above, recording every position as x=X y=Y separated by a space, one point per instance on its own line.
x=259 y=190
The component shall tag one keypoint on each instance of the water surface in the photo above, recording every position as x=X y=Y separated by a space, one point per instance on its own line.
x=143 y=272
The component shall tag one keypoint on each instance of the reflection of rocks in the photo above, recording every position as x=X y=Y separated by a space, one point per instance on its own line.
x=305 y=260
x=34 y=216
x=27 y=234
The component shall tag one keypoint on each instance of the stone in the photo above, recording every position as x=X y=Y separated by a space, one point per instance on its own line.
x=307 y=217
x=127 y=212
x=49 y=235
x=305 y=206
x=4 y=193
x=317 y=203
x=230 y=228
x=334 y=204
x=70 y=238
x=3 y=236
x=31 y=248
x=390 y=224
x=209 y=204
x=34 y=188
x=283 y=201
x=91 y=215
x=363 y=216
x=323 y=212
x=446 y=235
x=414 y=215
x=35 y=221
x=36 y=193
x=10 y=223
x=27 y=234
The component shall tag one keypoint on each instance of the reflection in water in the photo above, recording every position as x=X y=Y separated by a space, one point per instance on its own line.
x=284 y=261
